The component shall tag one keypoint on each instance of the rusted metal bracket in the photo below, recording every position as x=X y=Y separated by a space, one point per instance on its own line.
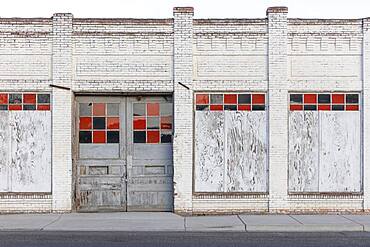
x=60 y=87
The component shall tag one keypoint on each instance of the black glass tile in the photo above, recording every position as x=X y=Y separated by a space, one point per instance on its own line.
x=98 y=123
x=258 y=107
x=29 y=107
x=337 y=107
x=202 y=107
x=296 y=98
x=352 y=98
x=166 y=138
x=230 y=107
x=43 y=98
x=85 y=137
x=310 y=107
x=3 y=107
x=15 y=98
x=244 y=99
x=139 y=136
x=112 y=136
x=324 y=98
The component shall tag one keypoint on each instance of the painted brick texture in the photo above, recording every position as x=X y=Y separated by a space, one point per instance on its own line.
x=181 y=56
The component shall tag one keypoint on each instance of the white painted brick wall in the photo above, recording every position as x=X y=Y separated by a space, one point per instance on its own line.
x=274 y=55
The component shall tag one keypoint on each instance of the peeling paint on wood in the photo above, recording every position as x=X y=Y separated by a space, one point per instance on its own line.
x=4 y=152
x=246 y=168
x=31 y=151
x=25 y=151
x=303 y=151
x=209 y=151
x=340 y=162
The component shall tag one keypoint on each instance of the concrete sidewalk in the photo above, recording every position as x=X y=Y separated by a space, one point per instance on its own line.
x=172 y=222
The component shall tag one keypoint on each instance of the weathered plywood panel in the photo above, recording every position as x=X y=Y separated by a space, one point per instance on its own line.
x=340 y=162
x=303 y=151
x=209 y=151
x=245 y=155
x=30 y=151
x=4 y=152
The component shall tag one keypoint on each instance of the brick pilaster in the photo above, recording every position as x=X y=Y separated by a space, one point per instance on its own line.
x=278 y=105
x=62 y=112
x=183 y=112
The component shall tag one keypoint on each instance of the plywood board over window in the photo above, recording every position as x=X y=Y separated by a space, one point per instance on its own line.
x=230 y=143
x=324 y=143
x=25 y=142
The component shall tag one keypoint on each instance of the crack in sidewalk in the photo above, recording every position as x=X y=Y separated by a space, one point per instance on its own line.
x=43 y=228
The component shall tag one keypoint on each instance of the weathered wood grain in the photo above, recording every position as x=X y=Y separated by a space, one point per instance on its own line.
x=30 y=151
x=4 y=152
x=340 y=162
x=245 y=155
x=209 y=151
x=303 y=151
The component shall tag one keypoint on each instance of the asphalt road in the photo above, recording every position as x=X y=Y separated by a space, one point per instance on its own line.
x=150 y=239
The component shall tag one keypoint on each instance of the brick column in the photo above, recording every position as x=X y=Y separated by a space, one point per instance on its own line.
x=278 y=107
x=62 y=113
x=366 y=112
x=183 y=108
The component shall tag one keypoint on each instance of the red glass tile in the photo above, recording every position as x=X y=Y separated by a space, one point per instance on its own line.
x=258 y=99
x=4 y=98
x=152 y=137
x=99 y=109
x=352 y=108
x=244 y=107
x=337 y=98
x=43 y=107
x=29 y=98
x=85 y=123
x=166 y=122
x=152 y=109
x=309 y=98
x=230 y=99
x=324 y=107
x=99 y=136
x=216 y=107
x=296 y=107
x=202 y=99
x=15 y=107
x=139 y=123
x=113 y=122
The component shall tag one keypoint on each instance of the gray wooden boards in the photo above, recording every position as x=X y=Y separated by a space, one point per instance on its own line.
x=230 y=151
x=324 y=152
x=25 y=156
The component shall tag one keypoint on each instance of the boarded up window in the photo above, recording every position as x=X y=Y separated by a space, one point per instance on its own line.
x=25 y=142
x=324 y=143
x=230 y=143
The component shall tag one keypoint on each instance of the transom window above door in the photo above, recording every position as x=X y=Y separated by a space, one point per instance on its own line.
x=152 y=122
x=99 y=123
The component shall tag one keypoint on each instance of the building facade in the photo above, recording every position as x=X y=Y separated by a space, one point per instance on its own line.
x=186 y=115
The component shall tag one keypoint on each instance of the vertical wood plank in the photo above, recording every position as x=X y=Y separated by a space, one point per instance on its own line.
x=4 y=151
x=340 y=162
x=246 y=167
x=303 y=151
x=30 y=151
x=209 y=151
